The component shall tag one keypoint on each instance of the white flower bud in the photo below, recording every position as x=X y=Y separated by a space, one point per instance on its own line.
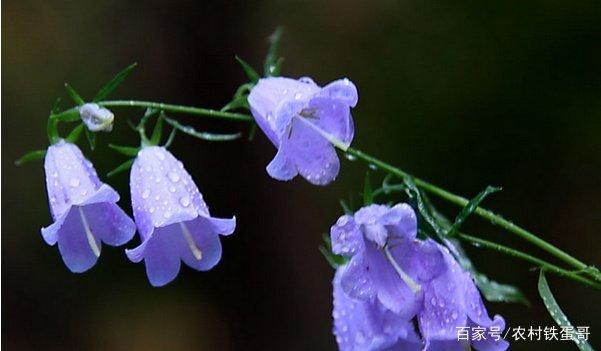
x=96 y=118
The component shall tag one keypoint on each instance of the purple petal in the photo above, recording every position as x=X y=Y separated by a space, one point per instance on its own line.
x=161 y=256
x=222 y=226
x=402 y=220
x=109 y=223
x=365 y=325
x=489 y=343
x=346 y=237
x=265 y=97
x=206 y=240
x=74 y=246
x=356 y=278
x=392 y=291
x=342 y=90
x=333 y=118
x=282 y=167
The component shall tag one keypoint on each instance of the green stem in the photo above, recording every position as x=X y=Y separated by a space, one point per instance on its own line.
x=526 y=257
x=456 y=199
x=461 y=201
x=178 y=109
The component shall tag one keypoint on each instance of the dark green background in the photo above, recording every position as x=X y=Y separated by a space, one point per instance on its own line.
x=463 y=93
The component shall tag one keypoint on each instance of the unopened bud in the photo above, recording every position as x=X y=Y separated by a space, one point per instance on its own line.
x=96 y=118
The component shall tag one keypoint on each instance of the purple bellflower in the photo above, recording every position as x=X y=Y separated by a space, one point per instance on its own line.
x=173 y=220
x=304 y=121
x=408 y=277
x=83 y=208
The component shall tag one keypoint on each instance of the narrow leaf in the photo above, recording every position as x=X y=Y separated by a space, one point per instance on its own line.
x=157 y=132
x=125 y=150
x=345 y=207
x=423 y=209
x=56 y=106
x=470 y=208
x=252 y=75
x=252 y=131
x=75 y=134
x=74 y=95
x=202 y=135
x=237 y=102
x=326 y=250
x=121 y=168
x=555 y=311
x=91 y=139
x=273 y=63
x=70 y=115
x=368 y=194
x=171 y=138
x=31 y=156
x=106 y=90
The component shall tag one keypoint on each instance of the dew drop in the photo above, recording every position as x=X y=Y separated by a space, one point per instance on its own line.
x=184 y=201
x=146 y=194
x=74 y=182
x=174 y=177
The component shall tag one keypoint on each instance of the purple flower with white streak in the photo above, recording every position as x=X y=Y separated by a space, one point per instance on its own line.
x=83 y=208
x=304 y=121
x=409 y=277
x=172 y=218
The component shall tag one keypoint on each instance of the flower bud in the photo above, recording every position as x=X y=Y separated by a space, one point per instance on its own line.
x=96 y=118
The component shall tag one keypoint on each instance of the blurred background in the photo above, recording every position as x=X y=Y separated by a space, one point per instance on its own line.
x=463 y=93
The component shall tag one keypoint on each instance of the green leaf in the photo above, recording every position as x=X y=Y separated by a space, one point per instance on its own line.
x=75 y=134
x=171 y=138
x=252 y=131
x=91 y=139
x=345 y=207
x=70 y=115
x=368 y=194
x=125 y=150
x=252 y=75
x=423 y=209
x=31 y=156
x=56 y=106
x=273 y=62
x=202 y=135
x=471 y=206
x=326 y=250
x=237 y=102
x=74 y=95
x=157 y=132
x=121 y=168
x=555 y=311
x=106 y=90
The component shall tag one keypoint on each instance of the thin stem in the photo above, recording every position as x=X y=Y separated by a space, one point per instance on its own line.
x=526 y=257
x=461 y=201
x=178 y=109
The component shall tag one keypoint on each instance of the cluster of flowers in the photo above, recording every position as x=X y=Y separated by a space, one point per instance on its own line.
x=391 y=280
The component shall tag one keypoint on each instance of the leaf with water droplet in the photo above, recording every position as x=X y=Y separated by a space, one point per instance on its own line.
x=121 y=168
x=31 y=156
x=107 y=89
x=273 y=63
x=555 y=311
x=74 y=95
x=470 y=207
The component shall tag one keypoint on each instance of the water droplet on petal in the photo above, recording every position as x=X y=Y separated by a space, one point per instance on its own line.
x=74 y=182
x=146 y=194
x=184 y=201
x=174 y=177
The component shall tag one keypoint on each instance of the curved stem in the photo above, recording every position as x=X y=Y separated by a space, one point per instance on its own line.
x=178 y=108
x=456 y=199
x=461 y=201
x=526 y=257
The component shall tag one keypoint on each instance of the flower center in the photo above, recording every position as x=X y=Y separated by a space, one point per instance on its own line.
x=415 y=287
x=89 y=235
x=191 y=244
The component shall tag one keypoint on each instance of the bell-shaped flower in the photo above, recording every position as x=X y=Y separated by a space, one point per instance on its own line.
x=410 y=277
x=83 y=208
x=304 y=121
x=96 y=118
x=173 y=220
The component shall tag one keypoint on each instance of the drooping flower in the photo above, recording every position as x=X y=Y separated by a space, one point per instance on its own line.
x=304 y=121
x=96 y=118
x=83 y=208
x=173 y=220
x=411 y=278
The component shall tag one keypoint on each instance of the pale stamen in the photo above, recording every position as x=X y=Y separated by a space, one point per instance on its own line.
x=89 y=235
x=415 y=287
x=195 y=250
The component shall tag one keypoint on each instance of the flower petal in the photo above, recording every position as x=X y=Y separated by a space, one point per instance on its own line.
x=222 y=226
x=282 y=167
x=333 y=118
x=356 y=279
x=346 y=237
x=342 y=90
x=110 y=223
x=206 y=240
x=161 y=256
x=73 y=244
